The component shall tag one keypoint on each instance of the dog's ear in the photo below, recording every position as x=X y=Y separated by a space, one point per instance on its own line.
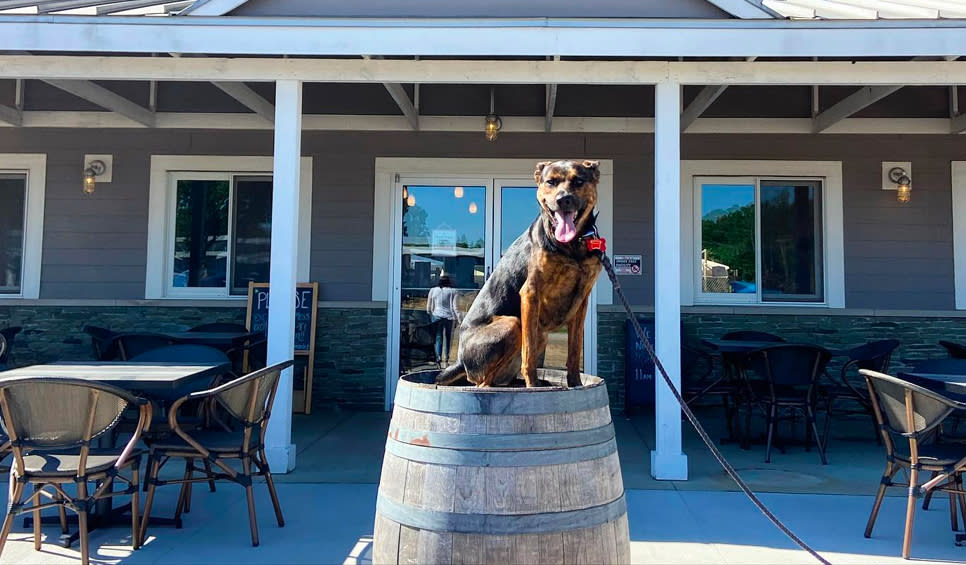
x=594 y=168
x=538 y=174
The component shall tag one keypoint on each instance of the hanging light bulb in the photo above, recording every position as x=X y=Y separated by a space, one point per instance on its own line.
x=899 y=176
x=472 y=207
x=493 y=122
x=458 y=192
x=411 y=200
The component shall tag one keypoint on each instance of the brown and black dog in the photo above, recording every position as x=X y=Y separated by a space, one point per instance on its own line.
x=541 y=283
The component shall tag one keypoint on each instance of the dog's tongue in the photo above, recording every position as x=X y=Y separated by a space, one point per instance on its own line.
x=565 y=230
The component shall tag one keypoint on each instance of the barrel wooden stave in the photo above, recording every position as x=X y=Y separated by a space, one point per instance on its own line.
x=443 y=466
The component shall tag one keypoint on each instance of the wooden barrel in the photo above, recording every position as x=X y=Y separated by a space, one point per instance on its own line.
x=501 y=475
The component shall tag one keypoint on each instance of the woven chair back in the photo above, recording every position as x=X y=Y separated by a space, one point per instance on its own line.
x=905 y=408
x=875 y=355
x=249 y=398
x=789 y=365
x=55 y=413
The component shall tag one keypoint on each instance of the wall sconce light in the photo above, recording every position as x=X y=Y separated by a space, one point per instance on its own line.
x=97 y=168
x=897 y=175
x=458 y=192
x=94 y=168
x=493 y=122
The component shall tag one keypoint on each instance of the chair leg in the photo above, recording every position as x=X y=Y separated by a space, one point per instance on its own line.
x=36 y=513
x=821 y=448
x=953 y=514
x=151 y=478
x=250 y=494
x=82 y=523
x=135 y=494
x=16 y=490
x=928 y=498
x=63 y=513
x=828 y=421
x=271 y=488
x=183 y=494
x=910 y=513
x=886 y=480
x=211 y=482
x=771 y=432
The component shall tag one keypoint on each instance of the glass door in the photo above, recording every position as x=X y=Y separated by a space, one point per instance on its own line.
x=445 y=227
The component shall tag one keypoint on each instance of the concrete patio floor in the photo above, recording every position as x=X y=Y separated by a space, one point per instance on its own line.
x=329 y=503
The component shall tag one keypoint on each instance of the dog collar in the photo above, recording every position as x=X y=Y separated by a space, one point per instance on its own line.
x=593 y=241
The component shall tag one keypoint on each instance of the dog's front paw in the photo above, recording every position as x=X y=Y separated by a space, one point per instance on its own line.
x=573 y=380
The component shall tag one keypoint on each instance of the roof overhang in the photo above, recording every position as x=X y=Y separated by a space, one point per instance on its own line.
x=483 y=37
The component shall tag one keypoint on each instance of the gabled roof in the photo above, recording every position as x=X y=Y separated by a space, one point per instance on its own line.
x=868 y=9
x=96 y=7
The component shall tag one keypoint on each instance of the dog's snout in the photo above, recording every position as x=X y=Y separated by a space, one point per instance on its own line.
x=566 y=201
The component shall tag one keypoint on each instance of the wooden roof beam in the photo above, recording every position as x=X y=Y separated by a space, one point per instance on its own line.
x=703 y=101
x=106 y=99
x=402 y=100
x=551 y=101
x=11 y=116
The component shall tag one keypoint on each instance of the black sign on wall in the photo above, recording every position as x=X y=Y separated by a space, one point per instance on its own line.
x=638 y=366
x=306 y=300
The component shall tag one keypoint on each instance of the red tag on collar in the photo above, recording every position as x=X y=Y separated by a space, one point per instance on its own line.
x=597 y=244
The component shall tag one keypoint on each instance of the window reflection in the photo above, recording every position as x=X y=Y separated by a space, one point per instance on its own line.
x=13 y=195
x=728 y=238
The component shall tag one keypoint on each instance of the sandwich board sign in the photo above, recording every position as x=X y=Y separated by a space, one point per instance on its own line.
x=306 y=309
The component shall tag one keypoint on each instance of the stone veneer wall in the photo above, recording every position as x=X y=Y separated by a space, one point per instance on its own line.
x=349 y=351
x=919 y=336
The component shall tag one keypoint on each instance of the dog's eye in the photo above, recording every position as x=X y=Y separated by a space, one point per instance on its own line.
x=577 y=183
x=553 y=182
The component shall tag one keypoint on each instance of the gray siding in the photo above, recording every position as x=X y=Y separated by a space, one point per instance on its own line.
x=491 y=8
x=897 y=256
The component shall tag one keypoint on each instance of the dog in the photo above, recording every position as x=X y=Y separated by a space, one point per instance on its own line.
x=542 y=283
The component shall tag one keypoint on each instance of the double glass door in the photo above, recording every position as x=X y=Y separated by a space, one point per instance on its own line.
x=455 y=231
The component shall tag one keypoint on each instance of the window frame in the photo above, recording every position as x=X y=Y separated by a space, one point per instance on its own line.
x=34 y=167
x=165 y=171
x=828 y=173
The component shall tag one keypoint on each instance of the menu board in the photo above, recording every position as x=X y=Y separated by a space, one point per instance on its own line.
x=306 y=301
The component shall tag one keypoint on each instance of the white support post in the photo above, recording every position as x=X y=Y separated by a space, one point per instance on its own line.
x=282 y=276
x=668 y=462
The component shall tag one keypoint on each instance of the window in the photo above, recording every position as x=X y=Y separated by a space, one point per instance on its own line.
x=760 y=239
x=222 y=232
x=772 y=238
x=22 y=179
x=210 y=227
x=13 y=193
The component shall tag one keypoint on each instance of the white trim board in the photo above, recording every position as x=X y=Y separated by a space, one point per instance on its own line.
x=959 y=231
x=158 y=244
x=833 y=219
x=511 y=124
x=580 y=37
x=484 y=71
x=35 y=166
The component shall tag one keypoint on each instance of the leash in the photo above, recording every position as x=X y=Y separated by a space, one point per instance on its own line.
x=597 y=244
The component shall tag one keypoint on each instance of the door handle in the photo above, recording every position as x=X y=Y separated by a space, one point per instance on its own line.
x=489 y=271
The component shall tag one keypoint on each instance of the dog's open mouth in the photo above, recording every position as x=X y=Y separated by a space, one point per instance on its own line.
x=564 y=229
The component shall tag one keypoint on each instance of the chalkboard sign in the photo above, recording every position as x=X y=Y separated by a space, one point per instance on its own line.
x=306 y=300
x=638 y=366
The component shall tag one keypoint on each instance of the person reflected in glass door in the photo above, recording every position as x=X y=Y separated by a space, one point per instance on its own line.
x=441 y=306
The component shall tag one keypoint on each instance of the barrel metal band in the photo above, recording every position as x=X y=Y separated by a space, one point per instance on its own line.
x=503 y=442
x=501 y=524
x=442 y=401
x=443 y=456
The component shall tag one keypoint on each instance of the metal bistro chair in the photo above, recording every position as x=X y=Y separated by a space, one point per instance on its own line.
x=789 y=382
x=103 y=345
x=51 y=423
x=130 y=345
x=875 y=356
x=248 y=399
x=8 y=335
x=907 y=412
x=250 y=354
x=955 y=350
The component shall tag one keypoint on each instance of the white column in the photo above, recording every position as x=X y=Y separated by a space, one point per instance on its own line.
x=668 y=462
x=282 y=276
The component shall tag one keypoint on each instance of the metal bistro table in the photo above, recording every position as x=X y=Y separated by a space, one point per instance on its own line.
x=952 y=384
x=159 y=382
